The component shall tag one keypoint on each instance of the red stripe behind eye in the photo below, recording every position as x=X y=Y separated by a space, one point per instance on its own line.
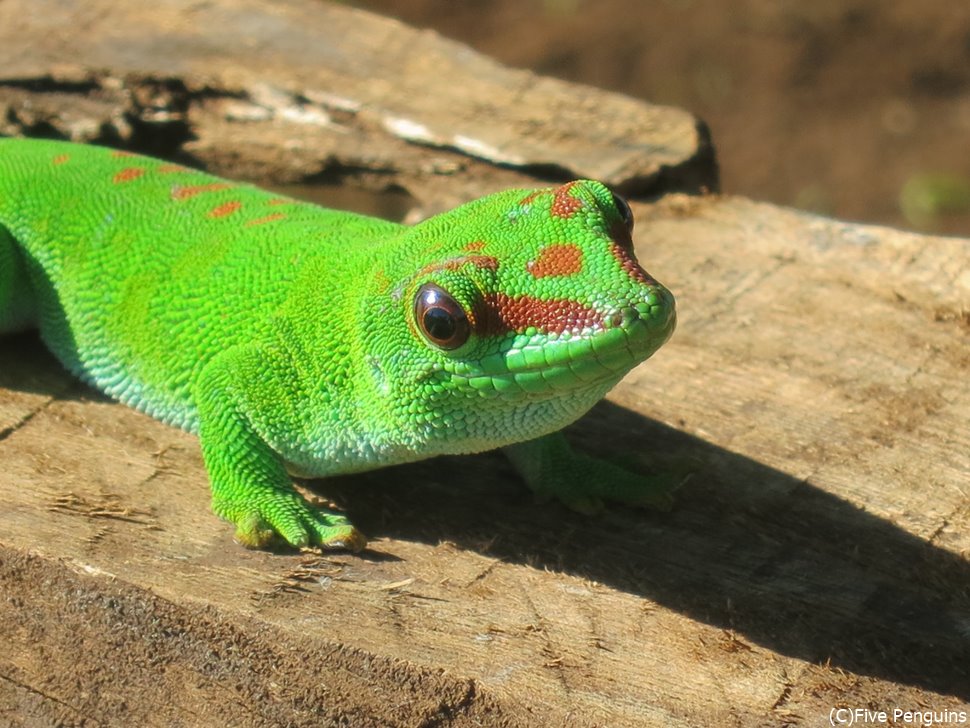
x=504 y=314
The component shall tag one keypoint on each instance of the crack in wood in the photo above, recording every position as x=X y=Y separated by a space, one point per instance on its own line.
x=9 y=430
x=46 y=696
x=110 y=508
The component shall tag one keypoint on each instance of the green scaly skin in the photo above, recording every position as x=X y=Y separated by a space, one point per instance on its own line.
x=296 y=339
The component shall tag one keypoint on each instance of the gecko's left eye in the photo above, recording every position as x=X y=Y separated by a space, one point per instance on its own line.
x=626 y=214
x=441 y=319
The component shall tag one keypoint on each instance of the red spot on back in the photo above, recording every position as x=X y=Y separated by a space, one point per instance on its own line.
x=184 y=193
x=61 y=159
x=172 y=169
x=279 y=201
x=265 y=219
x=475 y=245
x=122 y=153
x=559 y=259
x=128 y=174
x=504 y=314
x=225 y=209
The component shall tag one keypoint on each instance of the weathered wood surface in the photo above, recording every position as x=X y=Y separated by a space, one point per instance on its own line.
x=356 y=96
x=817 y=385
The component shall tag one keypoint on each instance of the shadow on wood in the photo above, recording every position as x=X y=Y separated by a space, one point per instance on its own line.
x=806 y=574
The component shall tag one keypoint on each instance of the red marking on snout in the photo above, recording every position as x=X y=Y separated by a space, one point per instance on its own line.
x=622 y=250
x=629 y=264
x=558 y=259
x=172 y=169
x=122 y=153
x=61 y=159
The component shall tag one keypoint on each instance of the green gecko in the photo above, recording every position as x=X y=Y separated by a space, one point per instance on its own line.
x=297 y=340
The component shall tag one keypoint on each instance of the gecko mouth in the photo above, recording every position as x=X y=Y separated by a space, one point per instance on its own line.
x=550 y=364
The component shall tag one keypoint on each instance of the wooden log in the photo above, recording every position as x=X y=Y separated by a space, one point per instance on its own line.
x=817 y=387
x=310 y=90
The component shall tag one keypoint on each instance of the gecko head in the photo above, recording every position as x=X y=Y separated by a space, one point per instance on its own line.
x=528 y=296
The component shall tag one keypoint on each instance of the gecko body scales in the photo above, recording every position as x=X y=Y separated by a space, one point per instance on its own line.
x=299 y=340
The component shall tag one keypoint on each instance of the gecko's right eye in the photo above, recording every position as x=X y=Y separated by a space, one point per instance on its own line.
x=441 y=319
x=626 y=214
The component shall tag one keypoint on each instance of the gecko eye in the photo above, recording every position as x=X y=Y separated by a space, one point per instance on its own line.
x=626 y=214
x=441 y=319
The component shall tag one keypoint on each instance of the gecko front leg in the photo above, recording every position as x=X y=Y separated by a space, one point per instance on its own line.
x=553 y=469
x=250 y=486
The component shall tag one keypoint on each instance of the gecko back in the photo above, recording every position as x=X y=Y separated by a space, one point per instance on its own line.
x=137 y=271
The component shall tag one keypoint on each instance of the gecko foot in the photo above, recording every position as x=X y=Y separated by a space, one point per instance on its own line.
x=553 y=470
x=289 y=517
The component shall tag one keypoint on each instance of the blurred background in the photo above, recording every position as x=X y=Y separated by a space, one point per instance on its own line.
x=859 y=109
